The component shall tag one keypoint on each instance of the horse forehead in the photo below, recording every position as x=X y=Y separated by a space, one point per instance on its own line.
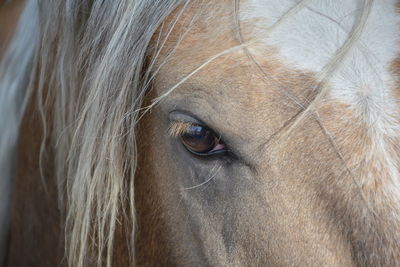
x=308 y=34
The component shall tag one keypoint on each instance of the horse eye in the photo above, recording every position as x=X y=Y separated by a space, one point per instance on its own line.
x=202 y=141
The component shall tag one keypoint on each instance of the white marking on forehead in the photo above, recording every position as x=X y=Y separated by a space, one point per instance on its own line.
x=309 y=39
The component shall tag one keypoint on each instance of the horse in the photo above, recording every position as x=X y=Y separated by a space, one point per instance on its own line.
x=202 y=133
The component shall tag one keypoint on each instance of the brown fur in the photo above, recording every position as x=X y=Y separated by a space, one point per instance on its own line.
x=36 y=233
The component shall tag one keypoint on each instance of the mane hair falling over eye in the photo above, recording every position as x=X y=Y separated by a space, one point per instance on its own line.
x=89 y=77
x=99 y=86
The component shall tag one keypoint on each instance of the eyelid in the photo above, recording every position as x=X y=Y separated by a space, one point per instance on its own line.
x=184 y=117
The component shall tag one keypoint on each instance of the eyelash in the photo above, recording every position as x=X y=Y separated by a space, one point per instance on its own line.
x=177 y=128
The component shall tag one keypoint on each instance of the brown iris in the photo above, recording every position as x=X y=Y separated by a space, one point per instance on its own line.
x=199 y=139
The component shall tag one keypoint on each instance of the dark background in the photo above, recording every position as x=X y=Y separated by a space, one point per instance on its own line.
x=9 y=13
